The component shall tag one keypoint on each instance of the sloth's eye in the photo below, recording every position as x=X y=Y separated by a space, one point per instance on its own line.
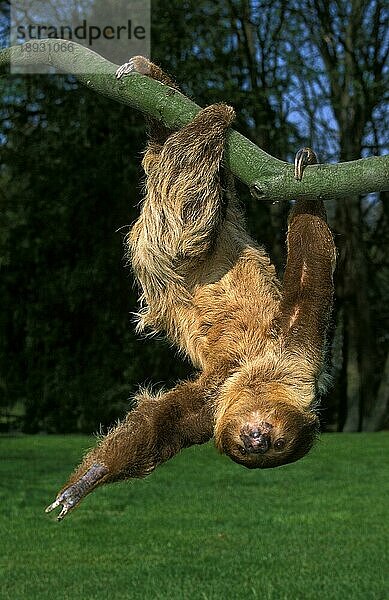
x=279 y=444
x=242 y=450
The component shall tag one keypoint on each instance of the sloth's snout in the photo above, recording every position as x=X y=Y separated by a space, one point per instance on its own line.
x=255 y=442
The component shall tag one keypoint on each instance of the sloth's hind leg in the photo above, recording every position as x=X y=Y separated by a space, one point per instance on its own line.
x=183 y=209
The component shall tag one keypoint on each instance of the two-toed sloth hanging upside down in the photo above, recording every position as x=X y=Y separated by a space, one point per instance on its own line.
x=257 y=346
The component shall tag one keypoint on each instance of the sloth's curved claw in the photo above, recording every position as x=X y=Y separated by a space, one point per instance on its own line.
x=66 y=506
x=125 y=69
x=136 y=64
x=73 y=494
x=305 y=156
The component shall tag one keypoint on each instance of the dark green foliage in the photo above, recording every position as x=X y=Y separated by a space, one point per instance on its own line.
x=71 y=186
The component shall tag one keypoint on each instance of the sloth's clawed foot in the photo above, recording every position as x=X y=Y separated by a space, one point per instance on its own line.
x=73 y=494
x=303 y=158
x=137 y=64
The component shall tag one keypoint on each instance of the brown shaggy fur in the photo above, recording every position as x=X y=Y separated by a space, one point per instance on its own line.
x=258 y=346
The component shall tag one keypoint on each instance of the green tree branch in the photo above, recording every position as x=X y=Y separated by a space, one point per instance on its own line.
x=268 y=178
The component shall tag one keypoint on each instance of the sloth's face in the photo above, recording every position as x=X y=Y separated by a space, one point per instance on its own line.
x=264 y=437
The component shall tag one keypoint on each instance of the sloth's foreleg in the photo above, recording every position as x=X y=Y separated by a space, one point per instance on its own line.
x=157 y=429
x=307 y=291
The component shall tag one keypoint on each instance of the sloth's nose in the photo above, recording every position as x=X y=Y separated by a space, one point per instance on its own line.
x=254 y=441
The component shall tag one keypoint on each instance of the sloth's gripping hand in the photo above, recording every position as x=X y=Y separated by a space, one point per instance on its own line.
x=157 y=429
x=137 y=64
x=143 y=66
x=72 y=495
x=304 y=157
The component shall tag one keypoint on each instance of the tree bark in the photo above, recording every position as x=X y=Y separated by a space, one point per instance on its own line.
x=379 y=414
x=353 y=386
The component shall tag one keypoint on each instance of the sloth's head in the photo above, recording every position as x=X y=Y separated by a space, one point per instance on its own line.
x=264 y=427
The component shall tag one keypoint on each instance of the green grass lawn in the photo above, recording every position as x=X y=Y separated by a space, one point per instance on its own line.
x=200 y=527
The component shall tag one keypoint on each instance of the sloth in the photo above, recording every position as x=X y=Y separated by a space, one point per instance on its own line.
x=257 y=346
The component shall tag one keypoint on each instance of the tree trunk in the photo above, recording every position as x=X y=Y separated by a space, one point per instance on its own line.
x=352 y=371
x=379 y=413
